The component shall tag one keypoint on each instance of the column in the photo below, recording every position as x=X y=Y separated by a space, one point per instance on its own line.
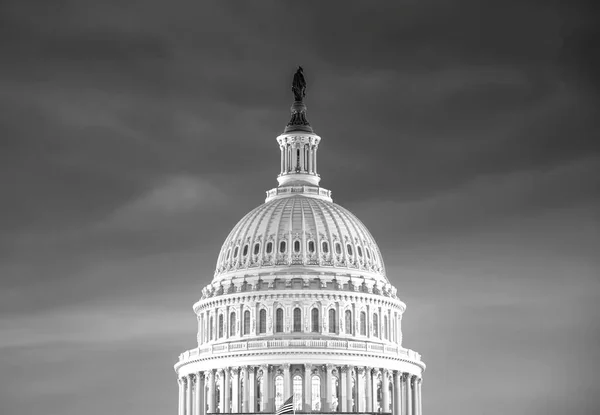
x=326 y=400
x=221 y=390
x=180 y=405
x=397 y=390
x=265 y=389
x=403 y=394
x=210 y=379
x=199 y=403
x=251 y=389
x=359 y=392
x=349 y=370
x=385 y=385
x=286 y=381
x=188 y=395
x=235 y=391
x=244 y=389
x=307 y=387
x=369 y=389
x=414 y=396
x=227 y=396
x=343 y=391
x=409 y=394
x=315 y=160
x=419 y=397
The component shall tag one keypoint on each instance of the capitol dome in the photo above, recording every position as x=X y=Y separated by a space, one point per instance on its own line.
x=299 y=310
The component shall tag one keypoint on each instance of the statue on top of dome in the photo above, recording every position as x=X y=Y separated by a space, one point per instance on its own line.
x=299 y=85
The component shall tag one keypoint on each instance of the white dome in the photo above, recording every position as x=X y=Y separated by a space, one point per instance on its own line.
x=299 y=231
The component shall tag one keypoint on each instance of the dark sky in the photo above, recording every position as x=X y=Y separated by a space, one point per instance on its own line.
x=464 y=134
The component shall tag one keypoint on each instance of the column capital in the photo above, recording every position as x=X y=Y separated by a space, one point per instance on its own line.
x=308 y=366
x=234 y=371
x=286 y=366
x=361 y=370
x=344 y=369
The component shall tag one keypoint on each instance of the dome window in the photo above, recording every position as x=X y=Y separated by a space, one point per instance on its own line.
x=228 y=253
x=235 y=252
x=325 y=247
x=368 y=253
x=245 y=251
x=359 y=250
x=282 y=247
x=349 y=249
x=296 y=246
x=338 y=248
x=256 y=248
x=311 y=246
x=269 y=247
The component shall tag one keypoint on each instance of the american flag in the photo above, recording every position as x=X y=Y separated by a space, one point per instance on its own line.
x=287 y=407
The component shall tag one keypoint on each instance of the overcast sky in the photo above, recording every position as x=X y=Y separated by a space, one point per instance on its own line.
x=464 y=134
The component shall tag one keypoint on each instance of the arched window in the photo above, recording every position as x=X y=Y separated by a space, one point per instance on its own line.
x=262 y=321
x=245 y=251
x=297 y=391
x=256 y=248
x=220 y=325
x=368 y=253
x=282 y=247
x=278 y=391
x=385 y=327
x=314 y=314
x=375 y=325
x=228 y=253
x=269 y=247
x=349 y=249
x=247 y=322
x=279 y=320
x=235 y=251
x=325 y=247
x=332 y=321
x=363 y=323
x=232 y=324
x=296 y=246
x=349 y=322
x=311 y=246
x=297 y=319
x=316 y=393
x=211 y=328
x=359 y=250
x=338 y=248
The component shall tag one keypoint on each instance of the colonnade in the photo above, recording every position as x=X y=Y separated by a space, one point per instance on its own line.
x=318 y=388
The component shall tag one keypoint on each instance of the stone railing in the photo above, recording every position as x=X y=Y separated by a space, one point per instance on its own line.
x=299 y=344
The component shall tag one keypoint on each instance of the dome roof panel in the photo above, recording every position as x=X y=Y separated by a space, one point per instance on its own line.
x=300 y=230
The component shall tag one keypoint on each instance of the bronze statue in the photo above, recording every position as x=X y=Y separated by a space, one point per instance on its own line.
x=299 y=85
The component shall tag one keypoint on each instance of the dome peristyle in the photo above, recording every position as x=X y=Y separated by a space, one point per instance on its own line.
x=299 y=231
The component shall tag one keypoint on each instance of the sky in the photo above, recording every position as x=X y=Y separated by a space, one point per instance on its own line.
x=464 y=134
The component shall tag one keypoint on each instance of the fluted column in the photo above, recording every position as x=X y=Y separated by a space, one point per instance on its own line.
x=359 y=391
x=227 y=402
x=199 y=402
x=349 y=371
x=307 y=387
x=415 y=398
x=235 y=391
x=251 y=389
x=188 y=395
x=385 y=385
x=409 y=394
x=343 y=392
x=221 y=390
x=369 y=389
x=397 y=394
x=328 y=391
x=286 y=381
x=180 y=404
x=264 y=389
x=210 y=394
x=419 y=397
